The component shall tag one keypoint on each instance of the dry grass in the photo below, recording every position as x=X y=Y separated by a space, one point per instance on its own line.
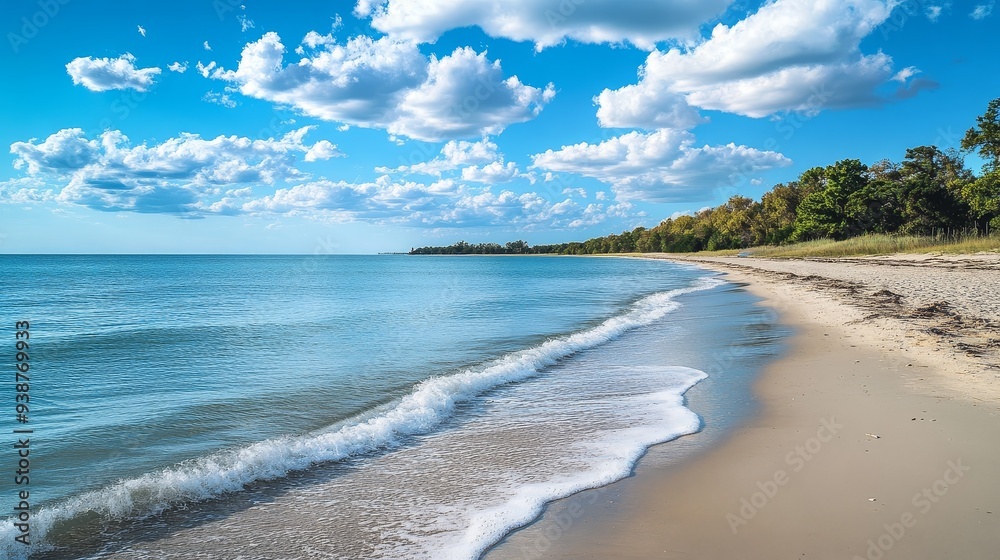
x=871 y=245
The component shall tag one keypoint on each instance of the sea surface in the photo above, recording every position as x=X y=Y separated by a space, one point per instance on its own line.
x=350 y=406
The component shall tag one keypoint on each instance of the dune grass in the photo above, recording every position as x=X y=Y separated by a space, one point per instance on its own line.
x=870 y=245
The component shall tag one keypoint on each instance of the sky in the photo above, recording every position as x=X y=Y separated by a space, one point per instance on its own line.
x=308 y=127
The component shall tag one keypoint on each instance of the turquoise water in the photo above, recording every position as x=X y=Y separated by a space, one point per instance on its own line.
x=422 y=406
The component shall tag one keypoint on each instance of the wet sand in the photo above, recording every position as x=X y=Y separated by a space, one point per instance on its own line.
x=876 y=436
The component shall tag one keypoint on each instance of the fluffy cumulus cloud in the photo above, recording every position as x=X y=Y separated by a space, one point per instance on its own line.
x=454 y=155
x=791 y=55
x=545 y=22
x=322 y=150
x=386 y=83
x=176 y=176
x=356 y=83
x=662 y=166
x=466 y=95
x=474 y=162
x=444 y=203
x=644 y=106
x=25 y=191
x=460 y=152
x=102 y=74
x=496 y=172
x=193 y=177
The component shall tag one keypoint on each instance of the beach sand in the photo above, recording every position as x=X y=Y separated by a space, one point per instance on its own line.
x=878 y=435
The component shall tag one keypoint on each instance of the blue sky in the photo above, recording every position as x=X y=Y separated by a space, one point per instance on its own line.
x=217 y=126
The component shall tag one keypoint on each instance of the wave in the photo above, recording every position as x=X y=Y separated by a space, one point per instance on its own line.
x=425 y=407
x=622 y=450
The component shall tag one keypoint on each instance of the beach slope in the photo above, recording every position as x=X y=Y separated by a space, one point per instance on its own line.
x=876 y=436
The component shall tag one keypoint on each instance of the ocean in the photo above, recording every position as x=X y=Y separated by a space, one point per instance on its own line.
x=351 y=406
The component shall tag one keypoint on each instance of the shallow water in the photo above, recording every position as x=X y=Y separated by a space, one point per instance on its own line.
x=348 y=407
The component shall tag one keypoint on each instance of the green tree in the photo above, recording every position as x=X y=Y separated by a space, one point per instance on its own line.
x=734 y=222
x=516 y=247
x=823 y=212
x=983 y=198
x=983 y=194
x=985 y=138
x=874 y=208
x=928 y=197
x=775 y=222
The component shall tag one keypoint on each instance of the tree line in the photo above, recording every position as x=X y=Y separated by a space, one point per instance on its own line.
x=462 y=248
x=928 y=192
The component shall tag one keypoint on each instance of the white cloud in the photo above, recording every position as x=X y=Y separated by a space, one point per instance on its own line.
x=245 y=22
x=454 y=154
x=781 y=34
x=357 y=83
x=478 y=162
x=102 y=74
x=438 y=205
x=142 y=30
x=466 y=95
x=314 y=40
x=179 y=67
x=322 y=150
x=804 y=89
x=496 y=172
x=175 y=176
x=206 y=46
x=791 y=55
x=222 y=99
x=387 y=84
x=25 y=191
x=194 y=177
x=934 y=12
x=205 y=69
x=982 y=11
x=905 y=74
x=461 y=152
x=661 y=166
x=642 y=106
x=545 y=22
x=63 y=152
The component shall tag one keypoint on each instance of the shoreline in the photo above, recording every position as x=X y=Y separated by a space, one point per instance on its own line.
x=807 y=477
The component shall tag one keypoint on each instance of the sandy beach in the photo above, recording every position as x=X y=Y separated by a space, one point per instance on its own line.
x=876 y=436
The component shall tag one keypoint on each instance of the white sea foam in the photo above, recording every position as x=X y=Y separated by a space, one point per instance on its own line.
x=425 y=407
x=613 y=456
